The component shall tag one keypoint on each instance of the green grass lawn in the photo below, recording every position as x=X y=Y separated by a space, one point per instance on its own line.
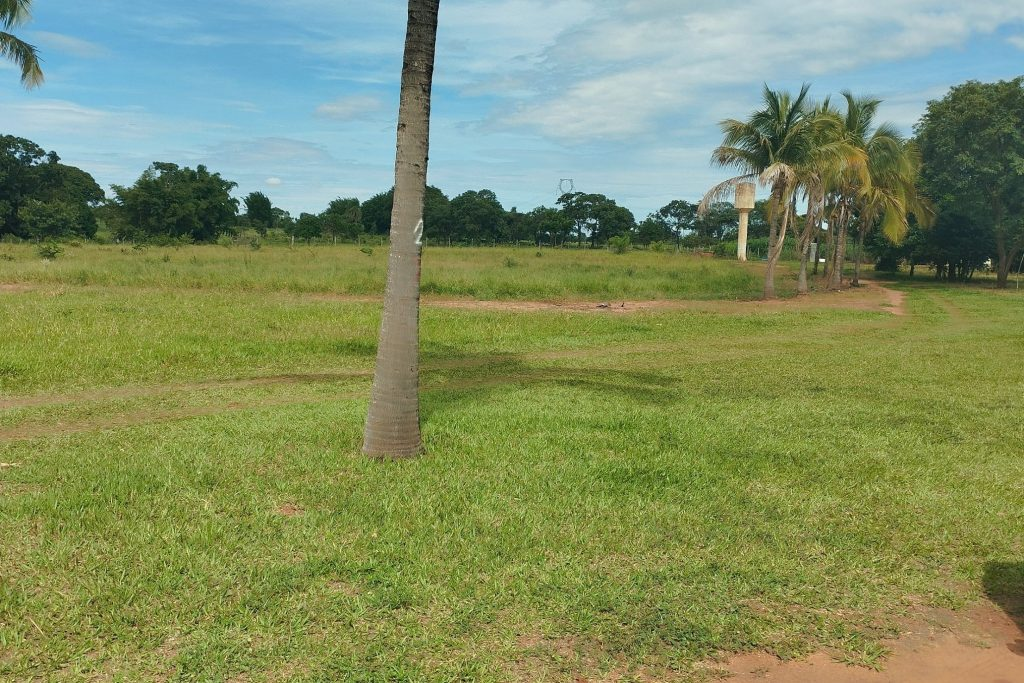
x=603 y=495
x=484 y=273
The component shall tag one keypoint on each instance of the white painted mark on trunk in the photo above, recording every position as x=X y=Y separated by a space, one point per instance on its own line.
x=418 y=233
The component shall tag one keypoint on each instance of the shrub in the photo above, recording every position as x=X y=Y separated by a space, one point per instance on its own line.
x=660 y=247
x=225 y=240
x=619 y=244
x=367 y=250
x=510 y=262
x=48 y=251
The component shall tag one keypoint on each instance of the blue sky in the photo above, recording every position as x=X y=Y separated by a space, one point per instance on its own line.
x=298 y=98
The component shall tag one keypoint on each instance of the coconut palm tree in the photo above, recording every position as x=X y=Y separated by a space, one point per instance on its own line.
x=393 y=421
x=830 y=158
x=893 y=169
x=884 y=187
x=771 y=147
x=858 y=131
x=14 y=13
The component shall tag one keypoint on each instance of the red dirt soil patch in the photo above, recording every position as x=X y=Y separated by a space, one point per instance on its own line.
x=13 y=288
x=289 y=510
x=978 y=645
x=871 y=296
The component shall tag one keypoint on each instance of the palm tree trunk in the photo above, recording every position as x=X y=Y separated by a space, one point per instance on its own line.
x=805 y=253
x=776 y=241
x=393 y=421
x=836 y=276
x=860 y=252
x=801 y=283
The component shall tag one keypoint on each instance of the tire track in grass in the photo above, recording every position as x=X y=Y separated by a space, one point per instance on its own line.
x=737 y=346
x=518 y=374
x=153 y=390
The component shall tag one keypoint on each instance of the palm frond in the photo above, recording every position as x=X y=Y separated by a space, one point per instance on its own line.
x=25 y=56
x=14 y=12
x=722 y=192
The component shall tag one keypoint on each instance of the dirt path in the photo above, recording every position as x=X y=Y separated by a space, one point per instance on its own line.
x=870 y=297
x=978 y=645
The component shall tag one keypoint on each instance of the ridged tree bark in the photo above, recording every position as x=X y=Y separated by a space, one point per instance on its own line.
x=776 y=242
x=393 y=422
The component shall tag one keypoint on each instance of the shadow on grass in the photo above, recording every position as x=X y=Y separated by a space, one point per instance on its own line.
x=1004 y=585
x=476 y=382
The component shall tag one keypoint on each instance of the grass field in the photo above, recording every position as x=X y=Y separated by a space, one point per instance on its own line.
x=604 y=497
x=485 y=273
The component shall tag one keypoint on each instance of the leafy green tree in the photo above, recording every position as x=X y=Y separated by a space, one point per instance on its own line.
x=437 y=223
x=174 y=202
x=259 y=210
x=758 y=225
x=28 y=175
x=549 y=226
x=13 y=14
x=437 y=216
x=283 y=221
x=308 y=226
x=958 y=245
x=596 y=217
x=478 y=215
x=719 y=221
x=54 y=219
x=19 y=178
x=376 y=213
x=972 y=145
x=517 y=226
x=343 y=218
x=653 y=229
x=675 y=219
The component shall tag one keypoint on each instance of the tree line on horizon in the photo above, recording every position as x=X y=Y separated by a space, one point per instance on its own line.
x=963 y=161
x=43 y=199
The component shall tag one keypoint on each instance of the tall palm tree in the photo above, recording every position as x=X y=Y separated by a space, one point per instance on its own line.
x=860 y=132
x=830 y=158
x=768 y=147
x=14 y=13
x=884 y=187
x=893 y=169
x=393 y=421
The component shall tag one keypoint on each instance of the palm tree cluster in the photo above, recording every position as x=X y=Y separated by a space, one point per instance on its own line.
x=848 y=172
x=14 y=13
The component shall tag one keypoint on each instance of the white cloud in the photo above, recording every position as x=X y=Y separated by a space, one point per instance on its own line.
x=264 y=152
x=274 y=182
x=350 y=108
x=1016 y=41
x=44 y=116
x=623 y=68
x=75 y=47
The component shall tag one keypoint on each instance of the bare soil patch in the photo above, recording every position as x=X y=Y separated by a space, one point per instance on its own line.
x=979 y=645
x=13 y=288
x=289 y=510
x=871 y=296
